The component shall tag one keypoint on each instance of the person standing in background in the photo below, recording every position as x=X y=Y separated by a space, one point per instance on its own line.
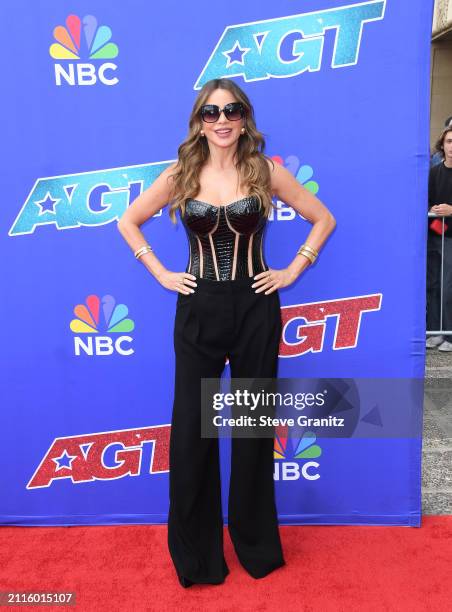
x=438 y=156
x=440 y=203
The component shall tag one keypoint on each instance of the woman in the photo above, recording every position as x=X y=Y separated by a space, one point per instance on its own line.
x=228 y=307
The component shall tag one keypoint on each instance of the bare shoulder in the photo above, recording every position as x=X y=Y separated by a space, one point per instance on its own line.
x=271 y=164
x=165 y=178
x=279 y=175
x=152 y=199
x=169 y=170
x=276 y=169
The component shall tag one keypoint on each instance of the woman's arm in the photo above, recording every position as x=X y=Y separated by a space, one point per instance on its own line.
x=286 y=187
x=142 y=208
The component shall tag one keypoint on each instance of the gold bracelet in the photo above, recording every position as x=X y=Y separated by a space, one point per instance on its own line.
x=307 y=254
x=138 y=250
x=143 y=253
x=309 y=248
x=142 y=250
x=304 y=249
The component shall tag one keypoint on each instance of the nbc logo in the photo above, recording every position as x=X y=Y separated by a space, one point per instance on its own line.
x=88 y=327
x=303 y=448
x=94 y=45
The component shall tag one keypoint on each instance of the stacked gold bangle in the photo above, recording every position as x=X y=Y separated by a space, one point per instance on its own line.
x=308 y=252
x=142 y=250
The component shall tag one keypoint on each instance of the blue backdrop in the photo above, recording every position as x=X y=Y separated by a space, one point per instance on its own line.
x=95 y=105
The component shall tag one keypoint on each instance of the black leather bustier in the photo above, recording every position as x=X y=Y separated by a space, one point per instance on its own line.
x=225 y=241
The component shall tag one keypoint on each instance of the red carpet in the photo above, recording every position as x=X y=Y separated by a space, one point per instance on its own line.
x=328 y=568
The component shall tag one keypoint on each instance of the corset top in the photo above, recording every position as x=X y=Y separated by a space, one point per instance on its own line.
x=225 y=242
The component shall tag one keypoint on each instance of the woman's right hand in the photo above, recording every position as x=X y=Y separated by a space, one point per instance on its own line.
x=445 y=210
x=178 y=281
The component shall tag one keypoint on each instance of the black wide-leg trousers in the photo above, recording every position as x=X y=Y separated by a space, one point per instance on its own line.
x=221 y=318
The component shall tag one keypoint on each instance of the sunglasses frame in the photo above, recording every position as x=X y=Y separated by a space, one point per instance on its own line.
x=221 y=110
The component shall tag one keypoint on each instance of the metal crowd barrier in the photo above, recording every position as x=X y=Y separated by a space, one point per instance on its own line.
x=441 y=331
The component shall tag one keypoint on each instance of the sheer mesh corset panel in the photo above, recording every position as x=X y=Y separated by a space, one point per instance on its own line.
x=225 y=242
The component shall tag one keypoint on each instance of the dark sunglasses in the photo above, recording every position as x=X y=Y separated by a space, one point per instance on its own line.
x=232 y=111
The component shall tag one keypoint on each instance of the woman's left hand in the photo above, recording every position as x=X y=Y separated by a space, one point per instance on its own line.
x=271 y=280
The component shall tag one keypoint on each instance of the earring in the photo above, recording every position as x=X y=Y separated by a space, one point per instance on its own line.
x=242 y=130
x=202 y=133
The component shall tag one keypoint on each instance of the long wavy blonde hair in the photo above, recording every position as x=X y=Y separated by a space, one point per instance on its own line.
x=251 y=164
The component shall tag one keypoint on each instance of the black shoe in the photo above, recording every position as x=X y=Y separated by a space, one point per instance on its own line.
x=265 y=572
x=185 y=582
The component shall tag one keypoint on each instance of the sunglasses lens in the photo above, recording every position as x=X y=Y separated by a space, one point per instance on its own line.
x=233 y=112
x=210 y=114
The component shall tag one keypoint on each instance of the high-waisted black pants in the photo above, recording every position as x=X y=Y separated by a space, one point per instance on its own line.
x=221 y=318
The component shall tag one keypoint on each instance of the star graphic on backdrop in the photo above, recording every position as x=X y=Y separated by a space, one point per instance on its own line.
x=236 y=54
x=47 y=204
x=64 y=460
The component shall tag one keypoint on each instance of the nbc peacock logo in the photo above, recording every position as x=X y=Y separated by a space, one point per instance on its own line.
x=101 y=327
x=83 y=38
x=304 y=449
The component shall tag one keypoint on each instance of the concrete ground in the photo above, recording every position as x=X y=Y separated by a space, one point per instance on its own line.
x=437 y=443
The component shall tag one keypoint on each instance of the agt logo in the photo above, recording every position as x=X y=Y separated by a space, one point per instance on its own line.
x=85 y=199
x=71 y=46
x=93 y=199
x=92 y=321
x=107 y=455
x=303 y=448
x=304 y=325
x=288 y=46
x=112 y=455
